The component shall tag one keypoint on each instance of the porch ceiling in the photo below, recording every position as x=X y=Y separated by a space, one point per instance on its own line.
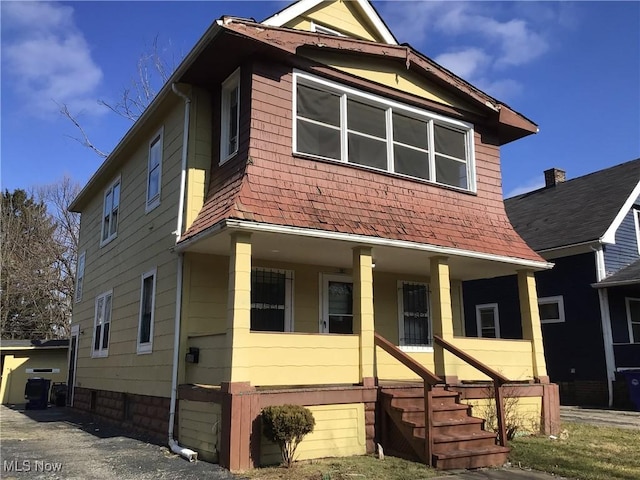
x=337 y=253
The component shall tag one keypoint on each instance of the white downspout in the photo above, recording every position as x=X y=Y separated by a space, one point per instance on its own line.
x=607 y=335
x=175 y=448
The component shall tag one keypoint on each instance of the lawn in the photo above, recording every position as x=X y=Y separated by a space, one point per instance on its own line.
x=587 y=453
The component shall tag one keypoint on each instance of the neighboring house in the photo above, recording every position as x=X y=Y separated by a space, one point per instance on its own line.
x=24 y=359
x=301 y=189
x=590 y=301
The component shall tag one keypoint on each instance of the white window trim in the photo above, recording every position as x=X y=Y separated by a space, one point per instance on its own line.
x=288 y=296
x=636 y=221
x=117 y=181
x=312 y=80
x=325 y=278
x=627 y=302
x=147 y=347
x=412 y=348
x=496 y=318
x=155 y=201
x=230 y=83
x=101 y=352
x=559 y=299
x=325 y=30
x=80 y=267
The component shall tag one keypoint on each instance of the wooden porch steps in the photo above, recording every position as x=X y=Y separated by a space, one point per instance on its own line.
x=459 y=440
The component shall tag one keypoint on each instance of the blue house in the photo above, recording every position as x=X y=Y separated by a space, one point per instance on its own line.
x=589 y=303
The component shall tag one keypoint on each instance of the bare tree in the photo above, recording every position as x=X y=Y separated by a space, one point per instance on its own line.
x=152 y=72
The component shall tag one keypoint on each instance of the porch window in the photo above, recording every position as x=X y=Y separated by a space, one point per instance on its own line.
x=271 y=300
x=339 y=123
x=551 y=309
x=633 y=316
x=415 y=325
x=102 y=324
x=488 y=321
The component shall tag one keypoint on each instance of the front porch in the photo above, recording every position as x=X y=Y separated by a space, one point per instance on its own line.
x=358 y=290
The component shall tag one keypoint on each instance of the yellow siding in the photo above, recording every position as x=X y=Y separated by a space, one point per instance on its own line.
x=392 y=75
x=512 y=358
x=144 y=241
x=200 y=428
x=213 y=365
x=389 y=368
x=339 y=432
x=523 y=412
x=14 y=375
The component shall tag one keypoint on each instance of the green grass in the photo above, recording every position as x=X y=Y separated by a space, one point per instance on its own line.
x=365 y=467
x=587 y=453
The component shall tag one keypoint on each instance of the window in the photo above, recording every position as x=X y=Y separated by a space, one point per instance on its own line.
x=633 y=316
x=110 y=212
x=339 y=123
x=147 y=309
x=154 y=172
x=102 y=323
x=413 y=309
x=271 y=300
x=551 y=309
x=636 y=220
x=230 y=117
x=488 y=321
x=80 y=276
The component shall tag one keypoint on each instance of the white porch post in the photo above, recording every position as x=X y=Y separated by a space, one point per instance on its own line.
x=531 y=329
x=442 y=316
x=363 y=322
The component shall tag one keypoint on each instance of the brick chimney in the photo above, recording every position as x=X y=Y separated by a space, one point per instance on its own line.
x=553 y=177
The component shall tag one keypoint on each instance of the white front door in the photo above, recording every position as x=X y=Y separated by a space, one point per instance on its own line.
x=337 y=304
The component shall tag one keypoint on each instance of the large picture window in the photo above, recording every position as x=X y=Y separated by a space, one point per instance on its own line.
x=413 y=306
x=102 y=324
x=271 y=300
x=110 y=212
x=343 y=124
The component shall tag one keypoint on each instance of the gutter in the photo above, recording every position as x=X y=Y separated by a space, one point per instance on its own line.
x=607 y=336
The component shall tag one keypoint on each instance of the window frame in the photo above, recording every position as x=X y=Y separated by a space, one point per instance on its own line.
x=105 y=240
x=80 y=267
x=153 y=202
x=401 y=345
x=288 y=298
x=636 y=221
x=630 y=323
x=559 y=299
x=390 y=107
x=102 y=351
x=147 y=347
x=231 y=82
x=496 y=319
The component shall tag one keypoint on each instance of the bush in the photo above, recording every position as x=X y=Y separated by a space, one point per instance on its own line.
x=287 y=425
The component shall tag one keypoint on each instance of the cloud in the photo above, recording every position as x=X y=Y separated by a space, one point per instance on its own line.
x=528 y=186
x=504 y=88
x=48 y=59
x=465 y=63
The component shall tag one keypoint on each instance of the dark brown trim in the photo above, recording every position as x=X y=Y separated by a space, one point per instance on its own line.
x=550 y=414
x=480 y=391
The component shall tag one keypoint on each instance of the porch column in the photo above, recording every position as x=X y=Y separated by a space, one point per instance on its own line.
x=239 y=308
x=363 y=310
x=531 y=329
x=442 y=316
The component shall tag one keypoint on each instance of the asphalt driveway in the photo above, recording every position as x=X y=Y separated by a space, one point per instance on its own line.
x=57 y=443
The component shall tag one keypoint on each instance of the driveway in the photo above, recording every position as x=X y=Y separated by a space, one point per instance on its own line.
x=598 y=417
x=57 y=443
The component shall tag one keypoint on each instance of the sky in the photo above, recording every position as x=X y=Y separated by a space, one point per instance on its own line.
x=571 y=67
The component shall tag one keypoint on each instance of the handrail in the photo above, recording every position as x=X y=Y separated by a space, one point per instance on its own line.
x=406 y=360
x=428 y=380
x=497 y=377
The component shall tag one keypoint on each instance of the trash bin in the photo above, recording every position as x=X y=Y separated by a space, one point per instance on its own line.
x=633 y=384
x=36 y=392
x=58 y=394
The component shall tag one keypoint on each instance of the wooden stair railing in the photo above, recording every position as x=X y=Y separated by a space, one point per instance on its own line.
x=498 y=381
x=429 y=379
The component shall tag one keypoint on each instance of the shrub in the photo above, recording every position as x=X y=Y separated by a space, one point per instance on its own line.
x=287 y=425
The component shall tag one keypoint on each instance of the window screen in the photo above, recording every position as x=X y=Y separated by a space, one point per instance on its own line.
x=268 y=300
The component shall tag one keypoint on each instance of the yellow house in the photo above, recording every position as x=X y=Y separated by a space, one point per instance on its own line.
x=25 y=359
x=291 y=221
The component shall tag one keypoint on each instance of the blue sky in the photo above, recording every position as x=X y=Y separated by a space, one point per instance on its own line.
x=571 y=67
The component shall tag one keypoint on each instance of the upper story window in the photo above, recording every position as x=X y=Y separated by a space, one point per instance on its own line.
x=102 y=324
x=413 y=309
x=636 y=220
x=339 y=123
x=551 y=309
x=80 y=276
x=230 y=116
x=271 y=300
x=487 y=320
x=110 y=212
x=154 y=171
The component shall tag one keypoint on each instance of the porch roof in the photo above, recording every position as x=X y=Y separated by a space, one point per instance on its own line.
x=630 y=275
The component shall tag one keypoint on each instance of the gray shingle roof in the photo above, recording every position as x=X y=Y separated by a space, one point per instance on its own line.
x=576 y=211
x=627 y=276
x=61 y=343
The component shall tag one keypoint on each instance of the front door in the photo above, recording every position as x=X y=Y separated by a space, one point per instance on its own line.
x=73 y=359
x=337 y=304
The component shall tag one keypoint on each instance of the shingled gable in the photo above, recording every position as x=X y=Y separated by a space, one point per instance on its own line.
x=577 y=211
x=278 y=188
